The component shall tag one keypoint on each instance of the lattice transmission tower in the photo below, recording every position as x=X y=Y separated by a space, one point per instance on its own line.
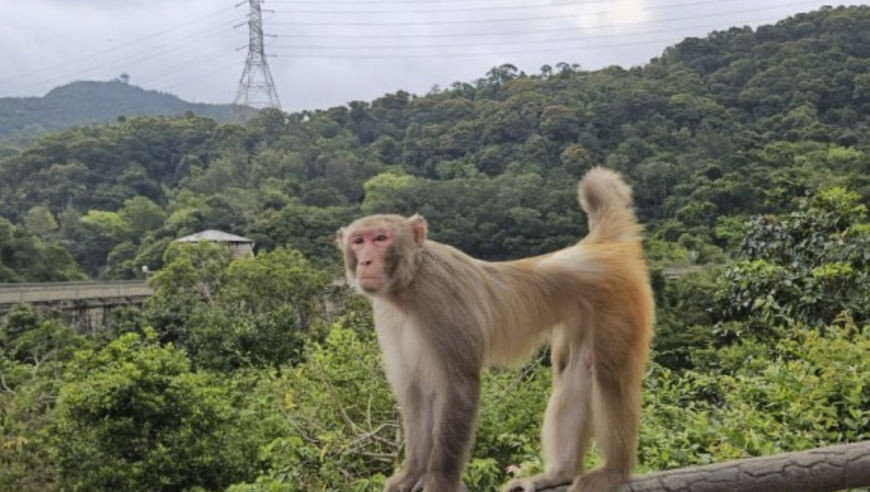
x=256 y=87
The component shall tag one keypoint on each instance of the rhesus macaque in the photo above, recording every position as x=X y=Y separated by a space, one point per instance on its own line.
x=441 y=316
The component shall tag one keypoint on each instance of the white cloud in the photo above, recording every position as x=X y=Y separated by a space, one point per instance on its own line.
x=618 y=13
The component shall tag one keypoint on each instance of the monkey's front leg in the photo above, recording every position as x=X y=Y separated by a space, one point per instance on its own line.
x=417 y=422
x=455 y=413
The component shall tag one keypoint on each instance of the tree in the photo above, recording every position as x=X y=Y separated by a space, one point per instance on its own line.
x=231 y=313
x=26 y=258
x=134 y=416
x=103 y=231
x=382 y=191
x=559 y=123
x=142 y=216
x=273 y=279
x=40 y=221
x=808 y=266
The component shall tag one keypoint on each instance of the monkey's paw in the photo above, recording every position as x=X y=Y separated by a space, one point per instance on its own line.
x=536 y=483
x=520 y=485
x=402 y=481
x=438 y=483
x=599 y=481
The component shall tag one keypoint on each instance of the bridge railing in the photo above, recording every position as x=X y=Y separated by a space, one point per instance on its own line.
x=72 y=291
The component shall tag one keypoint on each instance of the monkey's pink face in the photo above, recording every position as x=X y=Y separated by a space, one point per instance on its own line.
x=371 y=246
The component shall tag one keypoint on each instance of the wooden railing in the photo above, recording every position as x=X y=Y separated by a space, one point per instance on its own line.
x=828 y=469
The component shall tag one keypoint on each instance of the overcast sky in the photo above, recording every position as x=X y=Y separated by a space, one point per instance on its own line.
x=329 y=52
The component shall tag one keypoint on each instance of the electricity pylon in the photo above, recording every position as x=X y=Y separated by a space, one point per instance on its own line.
x=256 y=87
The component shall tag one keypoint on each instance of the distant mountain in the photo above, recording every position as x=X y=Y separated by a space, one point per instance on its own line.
x=93 y=102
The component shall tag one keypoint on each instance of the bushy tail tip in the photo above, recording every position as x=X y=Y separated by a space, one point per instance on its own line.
x=606 y=198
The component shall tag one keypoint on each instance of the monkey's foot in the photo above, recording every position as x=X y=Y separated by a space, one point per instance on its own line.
x=600 y=480
x=402 y=481
x=438 y=483
x=536 y=483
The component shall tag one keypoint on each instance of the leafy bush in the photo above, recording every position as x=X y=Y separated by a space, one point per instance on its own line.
x=133 y=416
x=230 y=313
x=807 y=267
x=807 y=390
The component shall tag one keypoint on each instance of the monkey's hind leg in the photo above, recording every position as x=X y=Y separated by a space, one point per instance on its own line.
x=616 y=401
x=567 y=422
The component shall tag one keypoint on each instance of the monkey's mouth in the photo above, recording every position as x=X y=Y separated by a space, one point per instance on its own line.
x=371 y=282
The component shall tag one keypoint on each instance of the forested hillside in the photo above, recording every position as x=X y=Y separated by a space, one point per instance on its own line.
x=748 y=151
x=81 y=103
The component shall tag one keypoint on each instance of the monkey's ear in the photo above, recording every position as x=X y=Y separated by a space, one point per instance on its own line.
x=418 y=226
x=339 y=238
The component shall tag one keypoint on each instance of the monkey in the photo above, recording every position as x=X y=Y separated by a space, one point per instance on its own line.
x=442 y=316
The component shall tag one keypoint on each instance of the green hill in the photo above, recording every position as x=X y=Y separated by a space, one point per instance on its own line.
x=92 y=102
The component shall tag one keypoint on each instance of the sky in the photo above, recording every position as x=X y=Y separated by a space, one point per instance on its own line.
x=325 y=53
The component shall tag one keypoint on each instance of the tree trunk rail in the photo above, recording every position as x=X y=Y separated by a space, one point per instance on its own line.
x=828 y=469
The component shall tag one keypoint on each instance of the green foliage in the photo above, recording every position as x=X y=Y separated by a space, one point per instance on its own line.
x=40 y=221
x=25 y=257
x=142 y=216
x=342 y=418
x=34 y=348
x=233 y=312
x=273 y=280
x=192 y=273
x=806 y=390
x=686 y=309
x=808 y=266
x=133 y=416
x=381 y=192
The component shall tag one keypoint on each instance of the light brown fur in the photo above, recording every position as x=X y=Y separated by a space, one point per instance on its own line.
x=441 y=316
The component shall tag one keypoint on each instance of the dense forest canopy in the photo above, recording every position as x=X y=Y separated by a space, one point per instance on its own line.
x=748 y=151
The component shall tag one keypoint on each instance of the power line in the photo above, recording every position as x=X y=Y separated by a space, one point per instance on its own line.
x=505 y=34
x=406 y=2
x=223 y=67
x=183 y=67
x=194 y=62
x=178 y=68
x=492 y=8
x=502 y=42
x=126 y=61
x=116 y=47
x=512 y=37
x=467 y=54
x=429 y=22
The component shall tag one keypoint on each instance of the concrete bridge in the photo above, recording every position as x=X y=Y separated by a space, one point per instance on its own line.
x=86 y=305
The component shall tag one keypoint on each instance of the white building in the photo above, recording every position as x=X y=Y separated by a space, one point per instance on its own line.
x=242 y=246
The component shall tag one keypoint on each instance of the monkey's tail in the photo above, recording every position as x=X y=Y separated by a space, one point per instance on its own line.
x=606 y=199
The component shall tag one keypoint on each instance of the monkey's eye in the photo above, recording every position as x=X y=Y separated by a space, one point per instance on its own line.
x=381 y=237
x=357 y=240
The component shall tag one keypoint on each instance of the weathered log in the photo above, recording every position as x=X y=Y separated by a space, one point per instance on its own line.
x=828 y=469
